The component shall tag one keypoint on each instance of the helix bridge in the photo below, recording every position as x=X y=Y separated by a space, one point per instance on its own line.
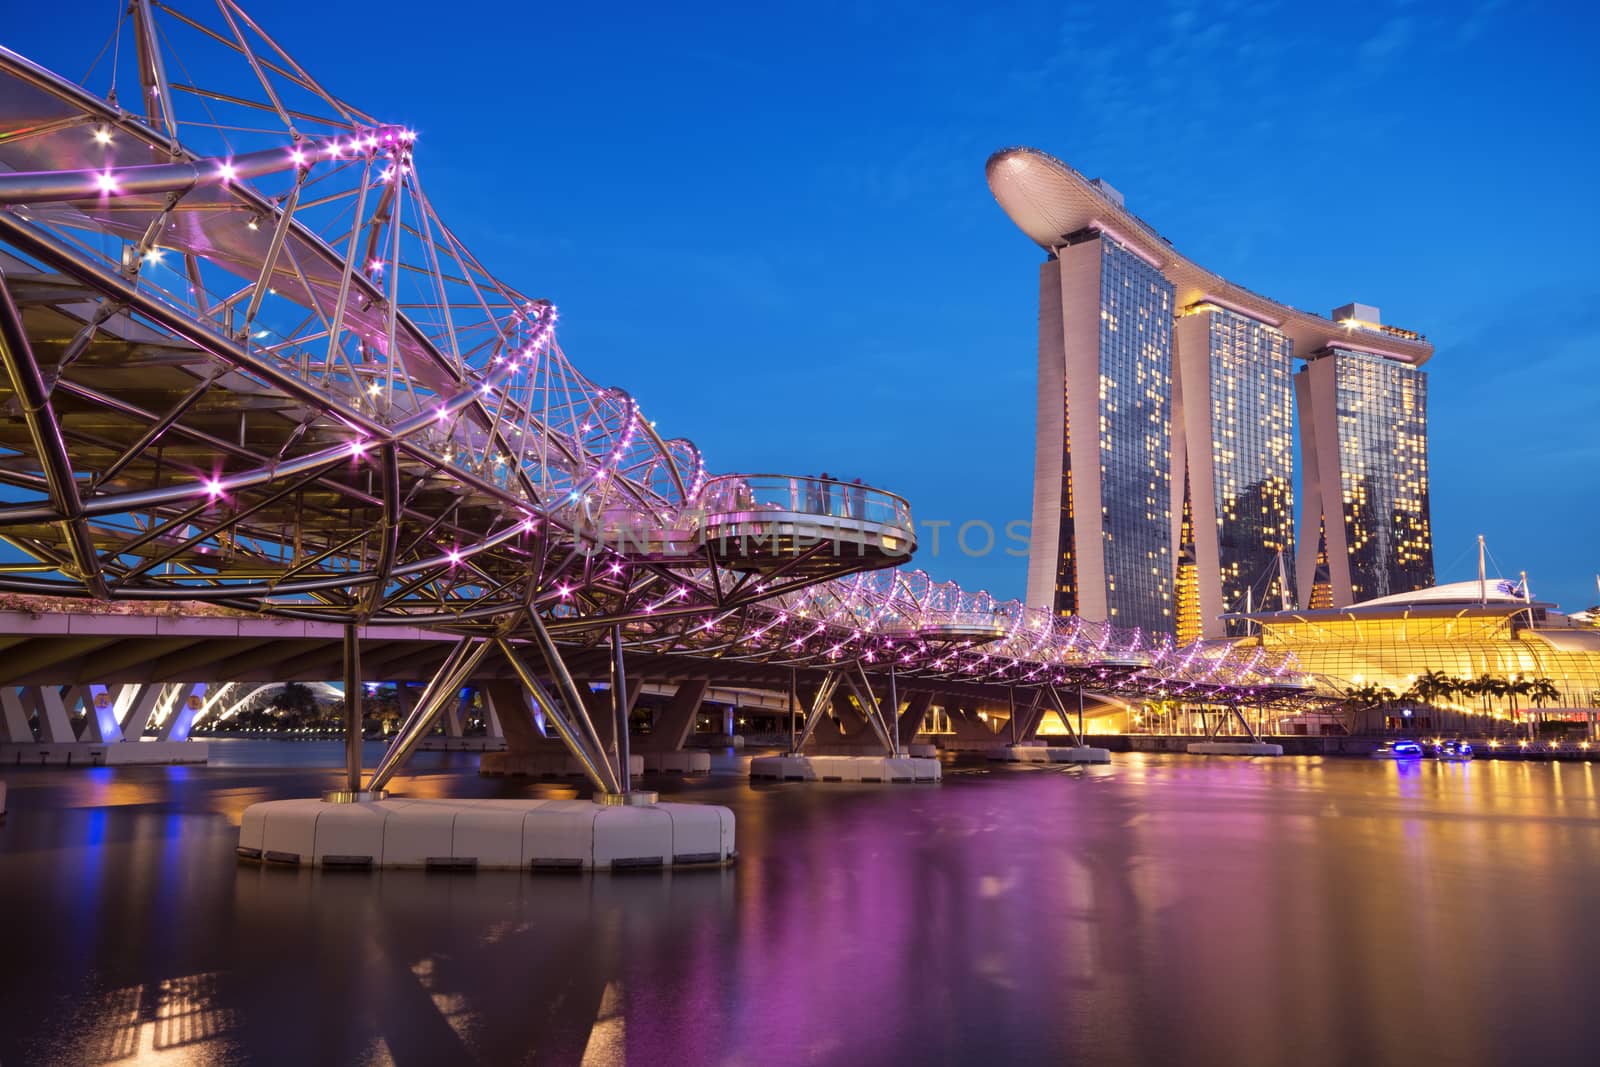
x=250 y=365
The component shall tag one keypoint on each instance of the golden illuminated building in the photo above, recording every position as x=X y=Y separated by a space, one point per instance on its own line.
x=1464 y=630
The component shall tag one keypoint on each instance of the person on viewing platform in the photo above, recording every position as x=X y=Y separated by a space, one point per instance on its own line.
x=858 y=499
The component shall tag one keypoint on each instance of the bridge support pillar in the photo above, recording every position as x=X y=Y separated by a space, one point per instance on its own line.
x=676 y=721
x=566 y=710
x=910 y=719
x=184 y=706
x=134 y=705
x=14 y=717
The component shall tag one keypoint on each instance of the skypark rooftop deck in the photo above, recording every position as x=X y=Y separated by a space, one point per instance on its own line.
x=1051 y=202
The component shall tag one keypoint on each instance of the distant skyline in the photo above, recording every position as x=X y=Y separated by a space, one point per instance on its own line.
x=773 y=228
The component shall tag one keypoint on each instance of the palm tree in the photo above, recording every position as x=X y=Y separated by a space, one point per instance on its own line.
x=1496 y=686
x=1520 y=685
x=1539 y=690
x=1486 y=686
x=1542 y=689
x=1362 y=698
x=1431 y=686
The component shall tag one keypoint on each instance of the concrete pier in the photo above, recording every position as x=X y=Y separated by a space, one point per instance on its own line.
x=1234 y=748
x=486 y=834
x=846 y=768
x=1017 y=754
x=698 y=762
x=462 y=744
x=553 y=763
x=96 y=754
x=1079 y=754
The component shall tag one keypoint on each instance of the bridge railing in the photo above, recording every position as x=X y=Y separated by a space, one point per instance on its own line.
x=803 y=496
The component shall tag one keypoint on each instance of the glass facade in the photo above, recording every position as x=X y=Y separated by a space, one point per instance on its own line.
x=1136 y=309
x=1252 y=455
x=1392 y=650
x=1382 y=409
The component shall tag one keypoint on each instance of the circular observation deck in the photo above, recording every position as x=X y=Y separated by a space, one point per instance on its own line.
x=1122 y=661
x=803 y=525
x=956 y=628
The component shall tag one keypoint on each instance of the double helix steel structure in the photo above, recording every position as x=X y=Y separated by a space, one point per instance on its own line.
x=249 y=363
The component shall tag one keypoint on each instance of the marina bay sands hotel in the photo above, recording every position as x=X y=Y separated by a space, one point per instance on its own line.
x=1163 y=490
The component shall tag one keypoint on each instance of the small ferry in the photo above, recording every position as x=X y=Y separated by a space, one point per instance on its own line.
x=1398 y=750
x=1458 y=751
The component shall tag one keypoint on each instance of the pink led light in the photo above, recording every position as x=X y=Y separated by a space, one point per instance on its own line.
x=107 y=182
x=213 y=487
x=226 y=172
x=454 y=557
x=358 y=448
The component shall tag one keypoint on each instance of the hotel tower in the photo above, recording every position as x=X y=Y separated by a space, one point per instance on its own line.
x=1164 y=461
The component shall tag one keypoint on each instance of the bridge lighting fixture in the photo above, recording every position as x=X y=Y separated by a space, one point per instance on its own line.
x=213 y=488
x=227 y=173
x=106 y=181
x=102 y=136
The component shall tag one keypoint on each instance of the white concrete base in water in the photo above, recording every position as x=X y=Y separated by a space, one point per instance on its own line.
x=1018 y=754
x=922 y=750
x=462 y=744
x=689 y=762
x=846 y=768
x=473 y=834
x=552 y=764
x=1079 y=754
x=101 y=754
x=1234 y=748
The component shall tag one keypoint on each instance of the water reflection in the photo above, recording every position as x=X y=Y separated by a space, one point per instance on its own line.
x=1160 y=909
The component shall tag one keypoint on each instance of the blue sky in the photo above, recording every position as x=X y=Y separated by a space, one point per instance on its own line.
x=772 y=226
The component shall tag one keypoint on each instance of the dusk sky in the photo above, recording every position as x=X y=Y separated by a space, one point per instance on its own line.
x=773 y=229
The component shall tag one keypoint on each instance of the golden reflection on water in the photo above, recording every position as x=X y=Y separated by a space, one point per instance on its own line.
x=174 y=1021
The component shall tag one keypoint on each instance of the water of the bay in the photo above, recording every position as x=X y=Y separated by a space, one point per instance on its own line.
x=1164 y=909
